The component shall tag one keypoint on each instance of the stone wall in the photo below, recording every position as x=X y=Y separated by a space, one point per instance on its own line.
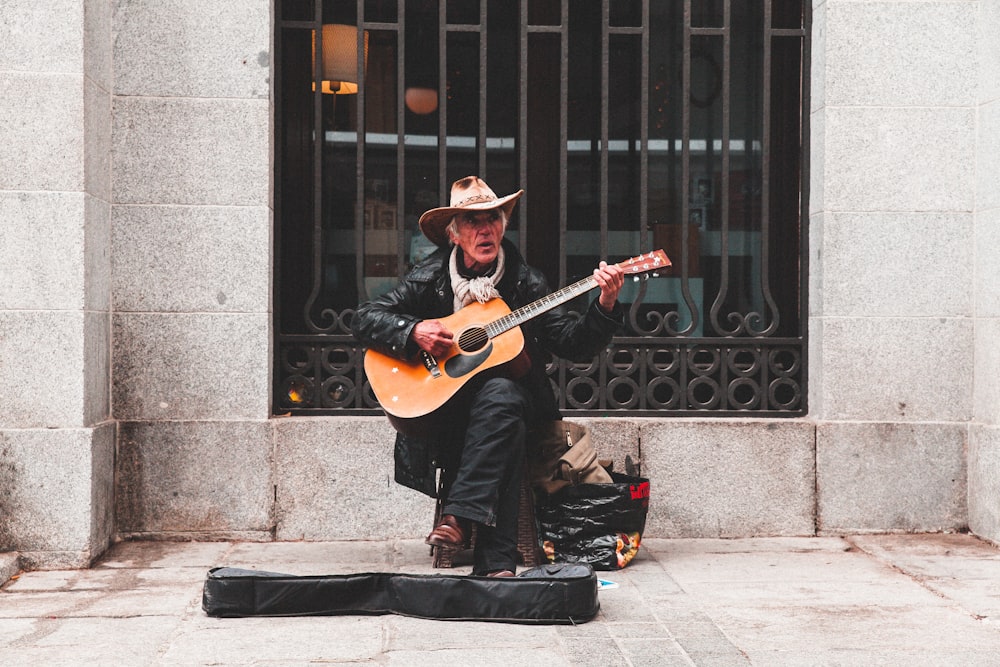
x=709 y=478
x=56 y=437
x=984 y=440
x=191 y=269
x=892 y=233
x=136 y=286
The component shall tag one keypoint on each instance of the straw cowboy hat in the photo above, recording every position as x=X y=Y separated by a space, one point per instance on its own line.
x=467 y=194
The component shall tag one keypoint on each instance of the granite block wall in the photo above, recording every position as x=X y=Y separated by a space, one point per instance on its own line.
x=195 y=480
x=892 y=232
x=709 y=478
x=191 y=268
x=56 y=437
x=984 y=440
x=136 y=297
x=57 y=494
x=729 y=478
x=891 y=384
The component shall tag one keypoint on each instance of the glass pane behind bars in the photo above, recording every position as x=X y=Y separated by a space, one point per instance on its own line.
x=674 y=125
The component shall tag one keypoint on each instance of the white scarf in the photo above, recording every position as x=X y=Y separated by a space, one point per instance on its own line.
x=480 y=289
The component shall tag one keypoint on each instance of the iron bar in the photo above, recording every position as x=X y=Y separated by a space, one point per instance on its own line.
x=661 y=363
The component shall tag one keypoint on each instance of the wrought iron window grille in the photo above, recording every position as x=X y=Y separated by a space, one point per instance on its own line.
x=680 y=125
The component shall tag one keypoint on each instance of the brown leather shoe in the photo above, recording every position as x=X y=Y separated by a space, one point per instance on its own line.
x=448 y=533
x=501 y=573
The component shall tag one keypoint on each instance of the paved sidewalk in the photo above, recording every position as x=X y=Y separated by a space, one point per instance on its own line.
x=860 y=600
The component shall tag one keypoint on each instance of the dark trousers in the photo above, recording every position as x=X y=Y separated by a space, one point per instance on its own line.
x=489 y=469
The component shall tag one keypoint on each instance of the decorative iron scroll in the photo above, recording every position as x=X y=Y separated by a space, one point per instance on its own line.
x=634 y=376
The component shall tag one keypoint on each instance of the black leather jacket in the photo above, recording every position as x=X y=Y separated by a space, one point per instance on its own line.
x=385 y=323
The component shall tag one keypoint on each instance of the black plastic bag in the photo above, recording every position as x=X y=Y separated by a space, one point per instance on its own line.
x=597 y=524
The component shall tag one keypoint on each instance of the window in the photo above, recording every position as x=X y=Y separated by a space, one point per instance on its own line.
x=631 y=125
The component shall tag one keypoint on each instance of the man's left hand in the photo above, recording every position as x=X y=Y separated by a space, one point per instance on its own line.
x=610 y=279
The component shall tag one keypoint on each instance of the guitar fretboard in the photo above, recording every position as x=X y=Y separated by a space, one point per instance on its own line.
x=637 y=265
x=534 y=309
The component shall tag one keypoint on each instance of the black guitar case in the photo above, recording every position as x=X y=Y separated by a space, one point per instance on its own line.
x=559 y=593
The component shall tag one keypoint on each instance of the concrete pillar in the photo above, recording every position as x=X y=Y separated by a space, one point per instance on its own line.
x=891 y=235
x=56 y=437
x=191 y=271
x=984 y=440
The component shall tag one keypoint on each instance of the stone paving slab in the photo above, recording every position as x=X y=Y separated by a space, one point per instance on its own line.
x=966 y=572
x=856 y=600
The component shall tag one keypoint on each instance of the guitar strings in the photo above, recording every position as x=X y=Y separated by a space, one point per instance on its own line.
x=525 y=313
x=471 y=340
x=498 y=326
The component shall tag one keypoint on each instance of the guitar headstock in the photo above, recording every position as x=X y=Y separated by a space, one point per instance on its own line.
x=650 y=261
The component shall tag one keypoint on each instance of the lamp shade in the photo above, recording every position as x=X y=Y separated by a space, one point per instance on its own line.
x=421 y=100
x=340 y=58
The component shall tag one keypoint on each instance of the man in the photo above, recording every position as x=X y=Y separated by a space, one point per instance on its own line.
x=487 y=421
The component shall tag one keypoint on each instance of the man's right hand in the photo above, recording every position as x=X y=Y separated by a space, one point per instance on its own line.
x=432 y=337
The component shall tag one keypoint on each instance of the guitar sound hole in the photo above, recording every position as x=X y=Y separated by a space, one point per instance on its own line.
x=472 y=340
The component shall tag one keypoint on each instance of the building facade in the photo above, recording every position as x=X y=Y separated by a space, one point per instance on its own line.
x=137 y=298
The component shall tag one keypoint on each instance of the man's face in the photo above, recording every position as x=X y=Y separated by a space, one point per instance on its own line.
x=478 y=235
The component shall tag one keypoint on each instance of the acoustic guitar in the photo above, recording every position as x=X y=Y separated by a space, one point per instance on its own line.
x=488 y=337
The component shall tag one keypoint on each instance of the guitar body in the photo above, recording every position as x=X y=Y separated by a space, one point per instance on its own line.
x=411 y=392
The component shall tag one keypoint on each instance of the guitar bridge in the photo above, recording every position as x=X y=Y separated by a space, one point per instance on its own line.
x=430 y=363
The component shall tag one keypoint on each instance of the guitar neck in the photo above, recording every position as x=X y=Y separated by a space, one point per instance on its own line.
x=642 y=264
x=534 y=309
